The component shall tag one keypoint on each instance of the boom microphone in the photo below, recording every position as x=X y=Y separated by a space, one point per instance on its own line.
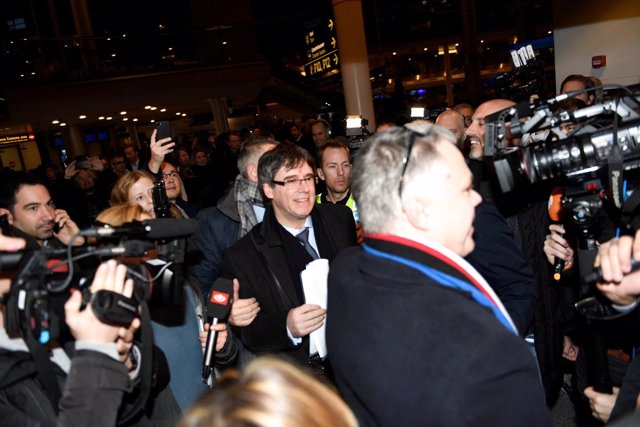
x=153 y=229
x=218 y=308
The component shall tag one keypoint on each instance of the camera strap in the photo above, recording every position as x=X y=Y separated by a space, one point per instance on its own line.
x=146 y=367
x=44 y=366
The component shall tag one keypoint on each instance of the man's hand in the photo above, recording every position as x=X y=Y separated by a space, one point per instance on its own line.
x=67 y=228
x=159 y=149
x=84 y=325
x=305 y=319
x=614 y=258
x=555 y=245
x=601 y=403
x=243 y=311
x=569 y=349
x=221 y=338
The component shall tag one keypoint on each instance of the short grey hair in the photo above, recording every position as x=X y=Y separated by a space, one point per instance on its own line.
x=251 y=152
x=377 y=169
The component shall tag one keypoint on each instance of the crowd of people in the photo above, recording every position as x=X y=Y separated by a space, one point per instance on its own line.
x=392 y=286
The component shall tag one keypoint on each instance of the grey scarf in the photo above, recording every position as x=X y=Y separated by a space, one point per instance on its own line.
x=247 y=194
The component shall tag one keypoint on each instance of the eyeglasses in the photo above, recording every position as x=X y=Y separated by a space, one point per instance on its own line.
x=294 y=182
x=172 y=175
x=411 y=138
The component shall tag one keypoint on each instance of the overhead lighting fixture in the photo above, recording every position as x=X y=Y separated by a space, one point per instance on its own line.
x=162 y=110
x=55 y=122
x=122 y=113
x=135 y=119
x=113 y=55
x=152 y=121
x=178 y=113
x=101 y=118
x=184 y=114
x=109 y=117
x=147 y=107
x=125 y=119
x=63 y=124
x=394 y=53
x=153 y=108
x=82 y=117
x=425 y=49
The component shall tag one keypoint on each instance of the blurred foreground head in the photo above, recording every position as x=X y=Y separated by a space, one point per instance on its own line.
x=269 y=393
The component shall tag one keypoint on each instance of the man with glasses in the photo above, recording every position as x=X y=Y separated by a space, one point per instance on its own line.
x=269 y=259
x=159 y=164
x=416 y=335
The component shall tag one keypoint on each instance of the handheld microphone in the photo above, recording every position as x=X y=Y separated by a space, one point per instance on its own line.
x=218 y=309
x=555 y=213
x=596 y=275
x=153 y=229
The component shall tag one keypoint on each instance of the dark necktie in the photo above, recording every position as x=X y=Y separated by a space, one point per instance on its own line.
x=303 y=237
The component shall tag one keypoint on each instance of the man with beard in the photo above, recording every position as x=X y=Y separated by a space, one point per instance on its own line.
x=33 y=215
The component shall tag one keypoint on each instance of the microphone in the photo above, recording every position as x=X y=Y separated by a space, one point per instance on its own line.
x=555 y=214
x=218 y=309
x=153 y=229
x=596 y=275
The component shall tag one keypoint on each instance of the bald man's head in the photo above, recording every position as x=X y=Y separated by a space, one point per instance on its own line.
x=475 y=132
x=453 y=121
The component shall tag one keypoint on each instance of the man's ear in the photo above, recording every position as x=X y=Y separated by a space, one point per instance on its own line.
x=268 y=190
x=417 y=214
x=7 y=212
x=252 y=171
x=320 y=174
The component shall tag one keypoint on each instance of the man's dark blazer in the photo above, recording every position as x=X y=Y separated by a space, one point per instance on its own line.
x=260 y=262
x=406 y=351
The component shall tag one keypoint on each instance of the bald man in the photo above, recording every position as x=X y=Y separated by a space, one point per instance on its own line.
x=454 y=122
x=475 y=132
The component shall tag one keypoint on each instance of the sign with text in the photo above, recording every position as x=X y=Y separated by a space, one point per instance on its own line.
x=17 y=138
x=322 y=47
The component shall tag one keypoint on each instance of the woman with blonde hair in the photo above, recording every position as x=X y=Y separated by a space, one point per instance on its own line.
x=117 y=215
x=134 y=188
x=269 y=393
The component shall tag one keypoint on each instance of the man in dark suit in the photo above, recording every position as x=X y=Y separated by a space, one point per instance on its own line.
x=268 y=260
x=416 y=335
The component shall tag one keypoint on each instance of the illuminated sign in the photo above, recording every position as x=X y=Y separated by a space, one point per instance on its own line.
x=322 y=47
x=17 y=138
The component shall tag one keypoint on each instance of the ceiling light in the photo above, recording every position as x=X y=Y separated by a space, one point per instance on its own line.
x=63 y=124
x=125 y=119
x=147 y=107
x=122 y=113
x=153 y=108
x=55 y=122
x=184 y=114
x=82 y=117
x=135 y=120
x=101 y=118
x=162 y=110
x=109 y=117
x=152 y=121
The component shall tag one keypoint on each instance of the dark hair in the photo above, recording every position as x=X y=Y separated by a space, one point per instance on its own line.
x=12 y=185
x=284 y=155
x=330 y=144
x=586 y=81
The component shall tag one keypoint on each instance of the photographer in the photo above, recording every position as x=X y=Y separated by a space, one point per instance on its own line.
x=622 y=287
x=97 y=371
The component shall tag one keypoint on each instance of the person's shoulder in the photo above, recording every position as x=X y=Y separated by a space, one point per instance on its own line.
x=333 y=211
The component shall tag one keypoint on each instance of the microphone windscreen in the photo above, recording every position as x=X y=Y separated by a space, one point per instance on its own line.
x=555 y=205
x=220 y=299
x=169 y=228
